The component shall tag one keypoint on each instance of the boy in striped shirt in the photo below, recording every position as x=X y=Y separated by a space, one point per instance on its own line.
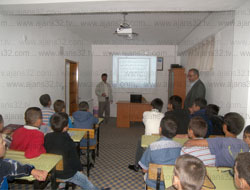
x=197 y=129
x=46 y=110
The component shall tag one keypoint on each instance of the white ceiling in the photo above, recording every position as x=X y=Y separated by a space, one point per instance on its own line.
x=153 y=28
x=156 y=21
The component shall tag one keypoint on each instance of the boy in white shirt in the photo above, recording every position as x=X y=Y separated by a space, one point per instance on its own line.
x=151 y=120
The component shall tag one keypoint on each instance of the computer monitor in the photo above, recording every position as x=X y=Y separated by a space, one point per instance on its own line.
x=135 y=98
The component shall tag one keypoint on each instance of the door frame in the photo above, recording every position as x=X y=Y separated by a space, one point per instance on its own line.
x=67 y=101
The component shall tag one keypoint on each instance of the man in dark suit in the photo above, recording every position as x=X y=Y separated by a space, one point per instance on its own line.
x=198 y=89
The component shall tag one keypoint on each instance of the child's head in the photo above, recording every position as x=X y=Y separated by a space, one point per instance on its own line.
x=212 y=109
x=199 y=104
x=242 y=171
x=246 y=135
x=197 y=128
x=83 y=106
x=189 y=173
x=157 y=103
x=33 y=116
x=2 y=147
x=174 y=102
x=45 y=100
x=168 y=127
x=1 y=123
x=59 y=122
x=59 y=106
x=233 y=123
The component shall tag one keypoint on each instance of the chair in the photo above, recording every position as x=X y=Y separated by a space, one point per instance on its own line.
x=59 y=167
x=90 y=134
x=155 y=173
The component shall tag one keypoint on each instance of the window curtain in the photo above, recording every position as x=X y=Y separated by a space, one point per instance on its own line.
x=201 y=56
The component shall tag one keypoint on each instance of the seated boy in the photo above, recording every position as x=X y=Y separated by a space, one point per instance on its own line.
x=28 y=138
x=11 y=168
x=197 y=129
x=59 y=106
x=151 y=120
x=189 y=173
x=83 y=119
x=164 y=151
x=225 y=148
x=6 y=134
x=199 y=109
x=242 y=171
x=46 y=110
x=246 y=135
x=181 y=115
x=59 y=142
x=212 y=112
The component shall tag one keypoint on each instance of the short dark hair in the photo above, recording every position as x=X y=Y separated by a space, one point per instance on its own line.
x=59 y=105
x=242 y=165
x=83 y=106
x=58 y=121
x=104 y=74
x=32 y=114
x=1 y=118
x=199 y=126
x=212 y=109
x=175 y=101
x=201 y=102
x=157 y=103
x=44 y=100
x=168 y=127
x=195 y=71
x=247 y=130
x=234 y=122
x=191 y=171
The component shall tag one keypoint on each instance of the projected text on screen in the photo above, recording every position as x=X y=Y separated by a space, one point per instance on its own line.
x=134 y=71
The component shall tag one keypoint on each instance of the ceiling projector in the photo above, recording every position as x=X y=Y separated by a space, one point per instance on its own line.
x=124 y=30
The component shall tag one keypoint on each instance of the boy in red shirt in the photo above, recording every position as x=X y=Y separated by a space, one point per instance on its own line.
x=28 y=138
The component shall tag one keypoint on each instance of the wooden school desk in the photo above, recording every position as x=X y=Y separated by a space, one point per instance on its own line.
x=45 y=162
x=220 y=177
x=77 y=136
x=127 y=112
x=146 y=140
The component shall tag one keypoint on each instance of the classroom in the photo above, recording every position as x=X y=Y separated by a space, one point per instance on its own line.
x=41 y=41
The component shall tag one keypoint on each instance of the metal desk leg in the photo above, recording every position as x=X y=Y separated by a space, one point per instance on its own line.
x=53 y=179
x=98 y=141
x=78 y=149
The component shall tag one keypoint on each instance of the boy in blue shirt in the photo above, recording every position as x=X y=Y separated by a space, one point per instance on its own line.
x=59 y=106
x=164 y=151
x=225 y=148
x=83 y=119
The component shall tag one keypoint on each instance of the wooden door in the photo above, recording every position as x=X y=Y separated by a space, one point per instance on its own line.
x=73 y=86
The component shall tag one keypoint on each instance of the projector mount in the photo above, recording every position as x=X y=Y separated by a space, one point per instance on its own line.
x=125 y=30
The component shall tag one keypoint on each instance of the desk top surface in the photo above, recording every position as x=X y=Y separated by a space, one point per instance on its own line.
x=146 y=140
x=76 y=135
x=220 y=177
x=128 y=102
x=44 y=162
x=100 y=120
